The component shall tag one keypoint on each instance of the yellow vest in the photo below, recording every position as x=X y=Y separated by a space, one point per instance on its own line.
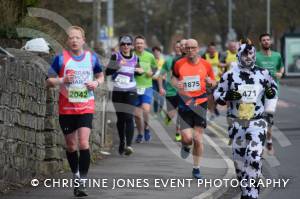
x=230 y=57
x=160 y=62
x=215 y=65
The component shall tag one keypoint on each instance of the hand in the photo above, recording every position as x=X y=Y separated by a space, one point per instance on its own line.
x=162 y=92
x=139 y=70
x=278 y=75
x=270 y=93
x=180 y=85
x=149 y=73
x=209 y=82
x=68 y=79
x=92 y=85
x=232 y=95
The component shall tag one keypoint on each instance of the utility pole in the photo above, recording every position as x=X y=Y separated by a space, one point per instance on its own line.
x=189 y=30
x=229 y=15
x=146 y=17
x=268 y=16
x=96 y=20
x=110 y=20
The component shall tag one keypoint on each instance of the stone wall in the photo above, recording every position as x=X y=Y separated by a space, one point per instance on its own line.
x=31 y=141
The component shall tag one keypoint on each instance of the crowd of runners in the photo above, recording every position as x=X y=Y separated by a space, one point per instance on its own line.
x=191 y=84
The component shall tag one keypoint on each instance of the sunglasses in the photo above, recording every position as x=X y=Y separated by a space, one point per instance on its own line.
x=128 y=44
x=190 y=47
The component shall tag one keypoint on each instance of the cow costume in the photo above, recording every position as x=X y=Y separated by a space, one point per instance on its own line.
x=245 y=88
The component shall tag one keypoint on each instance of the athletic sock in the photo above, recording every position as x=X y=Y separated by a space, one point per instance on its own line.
x=84 y=162
x=73 y=161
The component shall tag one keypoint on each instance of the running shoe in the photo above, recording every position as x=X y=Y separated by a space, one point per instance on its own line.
x=139 y=138
x=80 y=191
x=177 y=137
x=147 y=135
x=128 y=150
x=168 y=120
x=196 y=173
x=185 y=151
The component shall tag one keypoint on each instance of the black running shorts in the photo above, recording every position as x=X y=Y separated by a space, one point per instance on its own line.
x=70 y=123
x=193 y=118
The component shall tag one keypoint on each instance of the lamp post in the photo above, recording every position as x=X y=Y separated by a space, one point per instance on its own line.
x=189 y=30
x=268 y=16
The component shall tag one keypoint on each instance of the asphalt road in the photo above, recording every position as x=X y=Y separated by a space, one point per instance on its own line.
x=160 y=160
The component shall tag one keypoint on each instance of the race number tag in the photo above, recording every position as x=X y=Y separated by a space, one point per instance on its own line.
x=246 y=111
x=141 y=91
x=123 y=79
x=191 y=83
x=249 y=93
x=76 y=94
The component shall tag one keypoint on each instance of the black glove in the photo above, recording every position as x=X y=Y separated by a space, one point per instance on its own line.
x=270 y=93
x=232 y=95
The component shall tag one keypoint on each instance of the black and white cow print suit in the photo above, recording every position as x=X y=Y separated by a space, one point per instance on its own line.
x=248 y=127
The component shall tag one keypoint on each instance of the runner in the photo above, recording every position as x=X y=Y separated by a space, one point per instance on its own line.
x=144 y=89
x=271 y=60
x=190 y=75
x=123 y=68
x=245 y=87
x=213 y=57
x=230 y=56
x=159 y=101
x=74 y=70
x=170 y=92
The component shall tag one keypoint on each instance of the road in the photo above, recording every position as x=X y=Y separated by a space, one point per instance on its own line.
x=160 y=160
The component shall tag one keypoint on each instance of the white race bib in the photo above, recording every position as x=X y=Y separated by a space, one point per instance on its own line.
x=123 y=79
x=191 y=83
x=78 y=94
x=141 y=91
x=249 y=93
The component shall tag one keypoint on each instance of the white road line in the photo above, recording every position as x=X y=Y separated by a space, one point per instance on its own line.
x=216 y=192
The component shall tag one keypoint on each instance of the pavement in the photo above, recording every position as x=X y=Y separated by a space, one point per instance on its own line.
x=290 y=81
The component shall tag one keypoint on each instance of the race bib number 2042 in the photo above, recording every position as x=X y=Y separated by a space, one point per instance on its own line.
x=78 y=95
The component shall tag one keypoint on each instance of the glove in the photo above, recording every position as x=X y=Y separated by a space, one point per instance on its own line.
x=270 y=93
x=232 y=95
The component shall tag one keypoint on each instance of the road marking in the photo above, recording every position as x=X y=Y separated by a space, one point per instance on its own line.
x=216 y=192
x=280 y=137
x=272 y=160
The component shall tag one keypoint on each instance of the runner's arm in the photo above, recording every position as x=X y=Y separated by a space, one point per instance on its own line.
x=53 y=72
x=280 y=70
x=211 y=80
x=112 y=66
x=175 y=77
x=138 y=69
x=271 y=83
x=221 y=90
